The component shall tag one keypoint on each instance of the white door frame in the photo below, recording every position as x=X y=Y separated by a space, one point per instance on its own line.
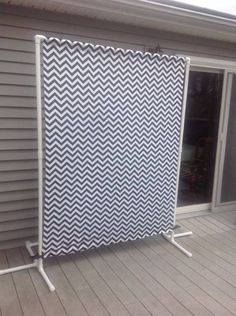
x=226 y=67
x=217 y=204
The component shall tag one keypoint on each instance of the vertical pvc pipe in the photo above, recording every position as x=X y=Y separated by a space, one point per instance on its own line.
x=185 y=92
x=38 y=263
x=38 y=39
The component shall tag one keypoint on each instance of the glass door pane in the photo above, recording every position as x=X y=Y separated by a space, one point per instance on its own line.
x=228 y=187
x=200 y=138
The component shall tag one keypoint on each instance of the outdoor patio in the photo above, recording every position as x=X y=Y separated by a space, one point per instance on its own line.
x=148 y=277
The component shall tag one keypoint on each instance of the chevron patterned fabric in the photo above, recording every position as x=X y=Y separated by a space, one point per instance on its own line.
x=112 y=136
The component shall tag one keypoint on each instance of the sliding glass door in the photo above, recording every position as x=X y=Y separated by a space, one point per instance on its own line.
x=208 y=164
x=225 y=188
x=200 y=138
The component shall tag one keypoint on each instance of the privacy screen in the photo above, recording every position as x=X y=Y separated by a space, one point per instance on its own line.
x=112 y=133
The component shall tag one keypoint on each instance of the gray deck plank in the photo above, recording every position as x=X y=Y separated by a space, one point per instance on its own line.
x=83 y=290
x=208 y=224
x=169 y=265
x=206 y=250
x=49 y=300
x=204 y=291
x=216 y=248
x=204 y=256
x=226 y=238
x=65 y=292
x=117 y=285
x=150 y=298
x=210 y=261
x=28 y=297
x=150 y=273
x=229 y=216
x=9 y=302
x=204 y=269
x=102 y=290
x=218 y=223
x=224 y=241
x=217 y=243
x=231 y=224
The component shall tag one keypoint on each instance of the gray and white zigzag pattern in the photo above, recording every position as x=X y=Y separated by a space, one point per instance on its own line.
x=112 y=132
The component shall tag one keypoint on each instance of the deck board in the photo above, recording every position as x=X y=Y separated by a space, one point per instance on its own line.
x=145 y=296
x=175 y=282
x=124 y=294
x=9 y=302
x=140 y=278
x=68 y=297
x=29 y=300
x=82 y=288
x=204 y=245
x=50 y=301
x=102 y=290
x=203 y=270
x=200 y=286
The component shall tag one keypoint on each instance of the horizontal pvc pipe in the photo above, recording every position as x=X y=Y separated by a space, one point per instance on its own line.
x=183 y=234
x=19 y=268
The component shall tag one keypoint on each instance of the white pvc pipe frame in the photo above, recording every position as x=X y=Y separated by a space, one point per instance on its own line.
x=38 y=262
x=170 y=237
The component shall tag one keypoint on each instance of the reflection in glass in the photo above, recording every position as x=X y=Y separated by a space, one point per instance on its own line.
x=200 y=138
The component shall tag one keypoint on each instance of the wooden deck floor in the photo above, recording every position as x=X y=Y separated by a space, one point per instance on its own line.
x=148 y=277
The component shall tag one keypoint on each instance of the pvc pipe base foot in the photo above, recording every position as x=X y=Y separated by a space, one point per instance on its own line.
x=171 y=239
x=46 y=279
x=38 y=264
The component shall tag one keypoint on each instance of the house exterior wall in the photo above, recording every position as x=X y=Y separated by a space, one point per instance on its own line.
x=18 y=143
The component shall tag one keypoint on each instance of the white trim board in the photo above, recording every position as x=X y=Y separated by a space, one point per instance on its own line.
x=212 y=63
x=193 y=208
x=147 y=13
